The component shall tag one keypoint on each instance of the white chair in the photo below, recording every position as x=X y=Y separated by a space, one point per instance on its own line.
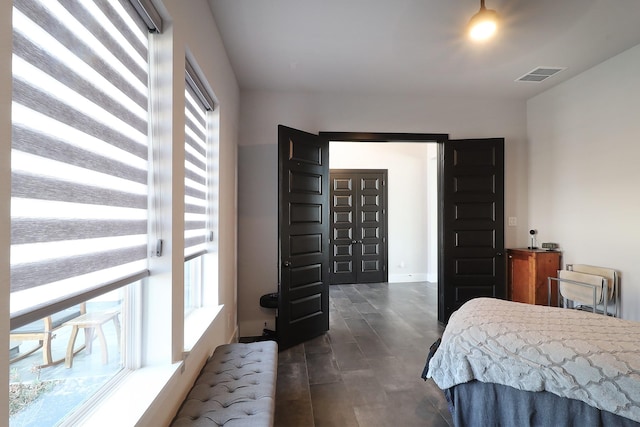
x=587 y=287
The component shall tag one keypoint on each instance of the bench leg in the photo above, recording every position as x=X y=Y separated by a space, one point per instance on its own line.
x=88 y=338
x=103 y=343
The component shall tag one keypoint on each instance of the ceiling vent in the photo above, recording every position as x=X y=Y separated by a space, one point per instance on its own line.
x=539 y=74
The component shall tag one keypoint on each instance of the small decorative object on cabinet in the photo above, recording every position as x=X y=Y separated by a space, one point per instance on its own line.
x=527 y=273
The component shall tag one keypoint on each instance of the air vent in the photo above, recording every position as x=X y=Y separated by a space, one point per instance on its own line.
x=540 y=74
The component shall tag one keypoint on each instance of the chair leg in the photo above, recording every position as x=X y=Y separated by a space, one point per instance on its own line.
x=46 y=350
x=68 y=360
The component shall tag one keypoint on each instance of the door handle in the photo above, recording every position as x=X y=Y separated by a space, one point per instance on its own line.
x=498 y=253
x=286 y=264
x=354 y=242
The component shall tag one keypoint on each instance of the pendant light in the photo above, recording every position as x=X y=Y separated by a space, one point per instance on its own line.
x=484 y=24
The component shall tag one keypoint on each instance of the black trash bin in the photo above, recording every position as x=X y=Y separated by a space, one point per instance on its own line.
x=269 y=300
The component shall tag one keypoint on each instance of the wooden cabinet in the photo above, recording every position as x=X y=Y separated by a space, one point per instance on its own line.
x=527 y=273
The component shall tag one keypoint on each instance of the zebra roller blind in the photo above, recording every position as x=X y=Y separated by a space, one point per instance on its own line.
x=79 y=152
x=196 y=160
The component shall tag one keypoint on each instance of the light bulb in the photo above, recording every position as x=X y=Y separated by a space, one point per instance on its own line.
x=483 y=30
x=484 y=24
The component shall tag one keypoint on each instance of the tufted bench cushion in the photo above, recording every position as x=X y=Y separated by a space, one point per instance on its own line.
x=236 y=388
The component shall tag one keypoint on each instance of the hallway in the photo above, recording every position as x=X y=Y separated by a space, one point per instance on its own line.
x=365 y=372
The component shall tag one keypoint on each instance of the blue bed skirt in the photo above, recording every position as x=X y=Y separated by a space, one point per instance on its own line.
x=480 y=404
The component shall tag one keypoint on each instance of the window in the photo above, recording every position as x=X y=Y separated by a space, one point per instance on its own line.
x=200 y=192
x=193 y=284
x=79 y=184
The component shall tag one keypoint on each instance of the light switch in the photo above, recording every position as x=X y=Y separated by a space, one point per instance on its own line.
x=513 y=221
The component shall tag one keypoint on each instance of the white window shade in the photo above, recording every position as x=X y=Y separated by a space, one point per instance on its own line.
x=79 y=152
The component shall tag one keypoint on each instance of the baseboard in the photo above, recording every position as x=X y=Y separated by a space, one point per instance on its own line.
x=234 y=336
x=411 y=277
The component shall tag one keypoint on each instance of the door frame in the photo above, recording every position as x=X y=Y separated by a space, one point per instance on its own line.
x=438 y=138
x=385 y=137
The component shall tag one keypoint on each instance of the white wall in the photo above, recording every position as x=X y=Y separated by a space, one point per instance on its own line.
x=584 y=148
x=407 y=214
x=260 y=114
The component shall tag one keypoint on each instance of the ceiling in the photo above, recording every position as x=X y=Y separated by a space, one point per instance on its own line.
x=418 y=46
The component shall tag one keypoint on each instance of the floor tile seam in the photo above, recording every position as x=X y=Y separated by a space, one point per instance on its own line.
x=396 y=313
x=333 y=353
x=380 y=390
x=355 y=341
x=382 y=342
x=413 y=327
x=374 y=331
x=306 y=368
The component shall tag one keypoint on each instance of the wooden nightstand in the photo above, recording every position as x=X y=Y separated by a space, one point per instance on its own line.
x=527 y=273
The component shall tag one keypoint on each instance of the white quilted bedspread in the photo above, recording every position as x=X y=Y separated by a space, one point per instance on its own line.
x=574 y=354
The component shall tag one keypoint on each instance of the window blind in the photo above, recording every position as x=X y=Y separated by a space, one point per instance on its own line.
x=196 y=183
x=79 y=152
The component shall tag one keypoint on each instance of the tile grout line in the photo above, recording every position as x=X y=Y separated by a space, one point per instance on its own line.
x=306 y=368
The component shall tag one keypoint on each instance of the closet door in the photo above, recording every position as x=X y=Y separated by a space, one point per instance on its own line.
x=358 y=226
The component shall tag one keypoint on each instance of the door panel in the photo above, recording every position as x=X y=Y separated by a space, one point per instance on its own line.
x=303 y=176
x=343 y=260
x=472 y=262
x=358 y=227
x=372 y=225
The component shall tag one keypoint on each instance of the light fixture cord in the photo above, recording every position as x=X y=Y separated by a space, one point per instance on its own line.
x=482 y=5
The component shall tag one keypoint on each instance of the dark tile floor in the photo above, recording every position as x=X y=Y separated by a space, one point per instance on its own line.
x=365 y=372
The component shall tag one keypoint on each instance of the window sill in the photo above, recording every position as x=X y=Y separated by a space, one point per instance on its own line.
x=197 y=323
x=132 y=397
x=136 y=392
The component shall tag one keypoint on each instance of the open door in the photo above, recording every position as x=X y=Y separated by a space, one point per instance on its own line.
x=303 y=285
x=471 y=260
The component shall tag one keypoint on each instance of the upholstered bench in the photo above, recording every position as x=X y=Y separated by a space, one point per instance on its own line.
x=236 y=387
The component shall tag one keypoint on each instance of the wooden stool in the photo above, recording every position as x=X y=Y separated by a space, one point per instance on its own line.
x=91 y=322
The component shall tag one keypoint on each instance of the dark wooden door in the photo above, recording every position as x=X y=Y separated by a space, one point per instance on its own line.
x=303 y=287
x=472 y=260
x=358 y=226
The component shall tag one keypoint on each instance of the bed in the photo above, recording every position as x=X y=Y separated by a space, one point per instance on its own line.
x=513 y=364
